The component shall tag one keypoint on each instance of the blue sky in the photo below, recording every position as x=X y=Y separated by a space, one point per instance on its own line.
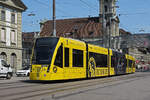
x=134 y=14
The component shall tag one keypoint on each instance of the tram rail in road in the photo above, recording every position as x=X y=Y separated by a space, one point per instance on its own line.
x=28 y=90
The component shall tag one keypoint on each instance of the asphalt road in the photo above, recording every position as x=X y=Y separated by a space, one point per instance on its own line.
x=127 y=87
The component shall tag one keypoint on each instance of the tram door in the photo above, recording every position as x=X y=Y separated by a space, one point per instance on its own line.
x=119 y=63
x=91 y=67
x=91 y=64
x=67 y=69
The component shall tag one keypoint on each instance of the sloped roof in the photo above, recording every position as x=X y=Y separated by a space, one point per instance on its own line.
x=76 y=28
x=123 y=32
x=18 y=4
x=28 y=36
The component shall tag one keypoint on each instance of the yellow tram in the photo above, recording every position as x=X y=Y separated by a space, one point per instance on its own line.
x=64 y=58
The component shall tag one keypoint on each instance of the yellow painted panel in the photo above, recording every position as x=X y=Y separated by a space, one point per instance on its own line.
x=134 y=69
x=127 y=70
x=112 y=71
x=130 y=70
x=110 y=52
x=101 y=72
x=97 y=49
x=39 y=72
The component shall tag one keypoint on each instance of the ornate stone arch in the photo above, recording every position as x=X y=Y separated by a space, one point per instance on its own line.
x=13 y=61
x=3 y=56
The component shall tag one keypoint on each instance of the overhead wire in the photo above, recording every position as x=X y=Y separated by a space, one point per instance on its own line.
x=88 y=5
x=58 y=9
x=67 y=14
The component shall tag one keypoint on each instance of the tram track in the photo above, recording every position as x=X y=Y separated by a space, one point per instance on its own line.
x=40 y=92
x=11 y=84
x=52 y=88
x=66 y=87
x=3 y=83
x=7 y=83
x=18 y=86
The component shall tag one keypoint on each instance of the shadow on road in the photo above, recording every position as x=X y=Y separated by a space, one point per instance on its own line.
x=59 y=81
x=51 y=82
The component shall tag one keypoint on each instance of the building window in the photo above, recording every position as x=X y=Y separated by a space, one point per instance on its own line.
x=13 y=18
x=106 y=8
x=13 y=36
x=77 y=58
x=3 y=15
x=130 y=63
x=3 y=35
x=113 y=61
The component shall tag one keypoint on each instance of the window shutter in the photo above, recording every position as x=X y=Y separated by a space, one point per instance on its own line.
x=3 y=35
x=13 y=39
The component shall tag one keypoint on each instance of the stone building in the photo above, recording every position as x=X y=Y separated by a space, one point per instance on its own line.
x=137 y=45
x=11 y=32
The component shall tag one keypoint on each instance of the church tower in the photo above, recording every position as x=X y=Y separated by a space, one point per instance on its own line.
x=109 y=20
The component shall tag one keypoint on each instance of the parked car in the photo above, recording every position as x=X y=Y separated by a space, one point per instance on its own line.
x=23 y=72
x=5 y=70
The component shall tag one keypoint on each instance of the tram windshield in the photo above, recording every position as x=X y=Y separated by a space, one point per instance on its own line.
x=43 y=50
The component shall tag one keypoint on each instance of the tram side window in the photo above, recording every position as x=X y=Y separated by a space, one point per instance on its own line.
x=134 y=64
x=113 y=61
x=66 y=57
x=77 y=58
x=59 y=57
x=130 y=63
x=100 y=59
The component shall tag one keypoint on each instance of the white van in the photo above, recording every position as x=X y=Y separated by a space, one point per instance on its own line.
x=5 y=70
x=23 y=72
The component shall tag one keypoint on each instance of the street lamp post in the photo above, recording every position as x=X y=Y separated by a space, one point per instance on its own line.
x=54 y=20
x=110 y=33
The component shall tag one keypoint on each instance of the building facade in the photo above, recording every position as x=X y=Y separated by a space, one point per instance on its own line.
x=137 y=45
x=11 y=32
